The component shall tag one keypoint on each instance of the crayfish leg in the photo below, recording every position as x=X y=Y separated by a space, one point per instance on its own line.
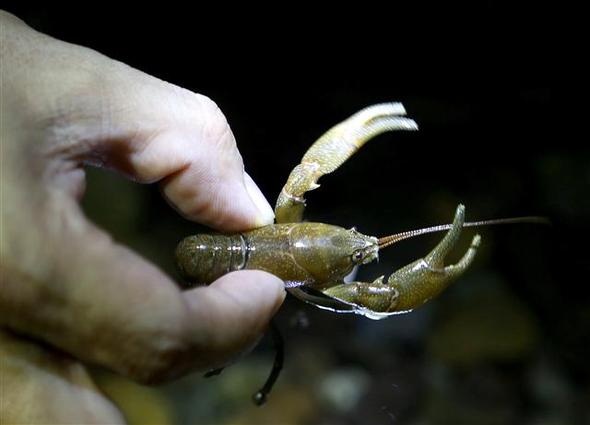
x=373 y=296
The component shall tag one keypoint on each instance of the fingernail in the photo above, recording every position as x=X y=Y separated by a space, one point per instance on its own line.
x=266 y=214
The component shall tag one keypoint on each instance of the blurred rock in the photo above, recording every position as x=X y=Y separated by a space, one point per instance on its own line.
x=487 y=323
x=343 y=388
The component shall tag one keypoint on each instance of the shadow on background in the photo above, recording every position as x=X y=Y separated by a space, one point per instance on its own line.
x=509 y=343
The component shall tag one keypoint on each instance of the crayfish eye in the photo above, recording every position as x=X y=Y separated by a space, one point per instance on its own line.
x=357 y=256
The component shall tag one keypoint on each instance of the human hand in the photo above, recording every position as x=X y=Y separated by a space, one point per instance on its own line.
x=65 y=283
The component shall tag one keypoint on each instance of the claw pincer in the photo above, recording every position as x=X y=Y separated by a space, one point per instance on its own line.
x=332 y=149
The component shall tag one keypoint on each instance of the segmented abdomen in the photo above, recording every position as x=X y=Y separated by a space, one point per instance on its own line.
x=204 y=258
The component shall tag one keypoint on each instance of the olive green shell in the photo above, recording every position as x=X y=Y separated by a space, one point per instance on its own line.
x=314 y=254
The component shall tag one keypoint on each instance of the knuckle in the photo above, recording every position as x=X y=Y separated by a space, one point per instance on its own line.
x=216 y=133
x=204 y=117
x=215 y=127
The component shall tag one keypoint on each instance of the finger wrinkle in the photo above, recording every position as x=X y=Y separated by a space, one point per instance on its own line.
x=66 y=176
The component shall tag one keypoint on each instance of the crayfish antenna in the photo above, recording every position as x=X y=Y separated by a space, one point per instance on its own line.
x=386 y=241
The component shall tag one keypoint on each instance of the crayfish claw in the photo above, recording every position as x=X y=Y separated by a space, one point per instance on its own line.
x=427 y=277
x=332 y=149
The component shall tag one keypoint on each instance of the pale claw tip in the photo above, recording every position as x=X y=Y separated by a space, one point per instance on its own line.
x=476 y=241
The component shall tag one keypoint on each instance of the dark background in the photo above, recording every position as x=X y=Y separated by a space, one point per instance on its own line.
x=491 y=88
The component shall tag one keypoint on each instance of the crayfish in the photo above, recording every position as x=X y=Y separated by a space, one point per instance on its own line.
x=313 y=259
